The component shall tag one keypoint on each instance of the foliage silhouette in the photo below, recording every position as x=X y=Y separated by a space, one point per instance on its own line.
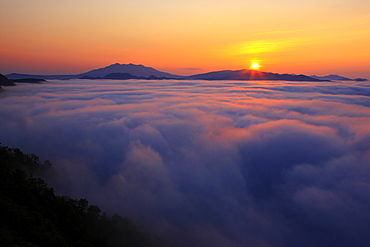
x=32 y=215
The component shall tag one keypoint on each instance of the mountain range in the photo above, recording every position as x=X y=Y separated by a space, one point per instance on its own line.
x=133 y=71
x=4 y=81
x=249 y=75
x=337 y=78
x=136 y=71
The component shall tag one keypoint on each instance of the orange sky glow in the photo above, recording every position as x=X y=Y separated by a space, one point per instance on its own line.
x=186 y=37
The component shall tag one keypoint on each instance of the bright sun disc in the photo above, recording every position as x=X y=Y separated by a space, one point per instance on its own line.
x=255 y=65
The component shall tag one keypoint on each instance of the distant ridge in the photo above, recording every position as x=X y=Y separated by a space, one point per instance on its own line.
x=249 y=75
x=45 y=77
x=133 y=69
x=337 y=78
x=4 y=81
x=137 y=71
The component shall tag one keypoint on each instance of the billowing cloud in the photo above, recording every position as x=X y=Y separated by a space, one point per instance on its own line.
x=207 y=163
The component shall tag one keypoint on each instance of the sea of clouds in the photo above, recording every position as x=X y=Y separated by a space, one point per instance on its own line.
x=207 y=163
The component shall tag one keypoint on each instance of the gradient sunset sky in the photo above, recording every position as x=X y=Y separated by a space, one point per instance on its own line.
x=186 y=37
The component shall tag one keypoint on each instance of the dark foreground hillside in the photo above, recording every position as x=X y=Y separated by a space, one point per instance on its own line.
x=32 y=215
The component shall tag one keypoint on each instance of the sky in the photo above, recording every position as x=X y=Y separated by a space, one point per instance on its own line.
x=186 y=37
x=206 y=164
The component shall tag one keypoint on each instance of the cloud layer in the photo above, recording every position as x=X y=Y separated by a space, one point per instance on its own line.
x=220 y=163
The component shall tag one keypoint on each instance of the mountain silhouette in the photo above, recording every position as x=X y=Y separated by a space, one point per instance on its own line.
x=133 y=69
x=120 y=76
x=4 y=81
x=337 y=78
x=249 y=75
x=45 y=77
x=138 y=71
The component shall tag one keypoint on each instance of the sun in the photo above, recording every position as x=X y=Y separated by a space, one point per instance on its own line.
x=255 y=66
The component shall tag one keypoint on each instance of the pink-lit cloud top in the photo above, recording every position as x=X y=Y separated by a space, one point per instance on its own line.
x=204 y=163
x=285 y=36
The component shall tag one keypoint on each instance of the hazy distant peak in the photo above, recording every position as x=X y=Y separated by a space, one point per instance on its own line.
x=247 y=74
x=133 y=69
x=125 y=65
x=136 y=70
x=337 y=78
